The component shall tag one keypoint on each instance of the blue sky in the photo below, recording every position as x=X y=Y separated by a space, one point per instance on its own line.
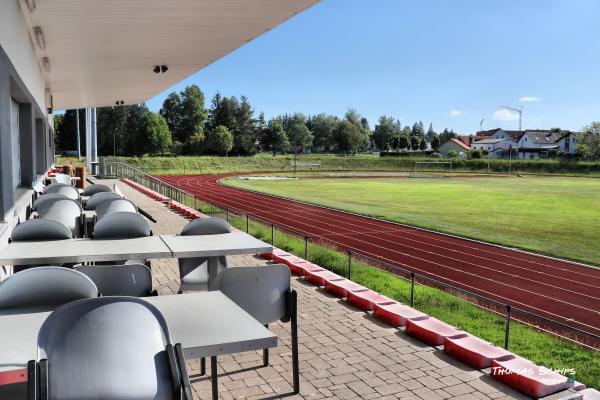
x=451 y=63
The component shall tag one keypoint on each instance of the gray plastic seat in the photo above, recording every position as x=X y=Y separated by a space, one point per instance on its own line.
x=110 y=348
x=118 y=191
x=114 y=205
x=64 y=189
x=47 y=198
x=65 y=211
x=96 y=188
x=98 y=198
x=40 y=229
x=193 y=272
x=265 y=293
x=120 y=280
x=121 y=225
x=62 y=178
x=45 y=287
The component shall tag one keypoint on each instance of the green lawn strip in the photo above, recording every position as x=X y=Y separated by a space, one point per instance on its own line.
x=557 y=216
x=525 y=341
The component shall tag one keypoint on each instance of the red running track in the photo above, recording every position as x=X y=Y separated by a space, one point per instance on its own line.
x=560 y=290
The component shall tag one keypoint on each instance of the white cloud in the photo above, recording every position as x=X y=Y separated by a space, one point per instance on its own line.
x=529 y=99
x=456 y=113
x=506 y=115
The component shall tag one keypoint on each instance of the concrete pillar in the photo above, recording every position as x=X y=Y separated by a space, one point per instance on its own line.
x=88 y=141
x=6 y=191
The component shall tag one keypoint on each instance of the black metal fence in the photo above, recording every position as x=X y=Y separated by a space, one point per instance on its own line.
x=118 y=169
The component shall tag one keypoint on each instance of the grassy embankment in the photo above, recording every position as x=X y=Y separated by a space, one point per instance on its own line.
x=361 y=162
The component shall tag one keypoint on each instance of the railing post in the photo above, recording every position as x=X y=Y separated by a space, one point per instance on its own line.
x=272 y=235
x=247 y=225
x=306 y=248
x=349 y=265
x=227 y=214
x=211 y=210
x=507 y=327
x=412 y=289
x=195 y=207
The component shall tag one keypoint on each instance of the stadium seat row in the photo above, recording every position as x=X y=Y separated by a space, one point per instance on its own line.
x=512 y=370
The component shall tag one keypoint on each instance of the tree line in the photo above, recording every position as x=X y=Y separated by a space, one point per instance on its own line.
x=229 y=126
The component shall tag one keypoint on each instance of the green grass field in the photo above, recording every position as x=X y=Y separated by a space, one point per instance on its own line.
x=553 y=215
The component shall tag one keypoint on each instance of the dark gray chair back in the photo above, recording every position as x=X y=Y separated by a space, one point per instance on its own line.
x=98 y=198
x=193 y=272
x=121 y=225
x=65 y=211
x=40 y=229
x=120 y=280
x=45 y=287
x=114 y=205
x=106 y=348
x=61 y=188
x=260 y=291
x=96 y=188
x=62 y=178
x=47 y=198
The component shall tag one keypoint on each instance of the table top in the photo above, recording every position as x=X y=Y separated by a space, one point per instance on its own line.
x=83 y=249
x=150 y=247
x=225 y=244
x=205 y=323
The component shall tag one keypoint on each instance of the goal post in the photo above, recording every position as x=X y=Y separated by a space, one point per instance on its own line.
x=432 y=169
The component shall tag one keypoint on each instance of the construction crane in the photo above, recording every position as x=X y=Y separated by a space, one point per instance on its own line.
x=519 y=110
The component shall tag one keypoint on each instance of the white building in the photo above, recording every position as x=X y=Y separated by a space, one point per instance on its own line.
x=63 y=54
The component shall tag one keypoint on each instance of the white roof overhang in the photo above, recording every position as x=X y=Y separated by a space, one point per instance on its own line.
x=103 y=51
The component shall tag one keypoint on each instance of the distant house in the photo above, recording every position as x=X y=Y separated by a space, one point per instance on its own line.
x=468 y=140
x=453 y=144
x=496 y=148
x=530 y=144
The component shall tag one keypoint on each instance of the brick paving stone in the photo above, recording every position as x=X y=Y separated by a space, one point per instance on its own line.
x=344 y=353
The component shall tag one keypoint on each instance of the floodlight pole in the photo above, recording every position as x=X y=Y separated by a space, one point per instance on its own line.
x=78 y=135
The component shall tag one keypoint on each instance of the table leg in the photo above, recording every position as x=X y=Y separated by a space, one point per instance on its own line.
x=213 y=377
x=213 y=270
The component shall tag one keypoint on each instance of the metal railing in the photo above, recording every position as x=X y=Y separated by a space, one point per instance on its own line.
x=118 y=169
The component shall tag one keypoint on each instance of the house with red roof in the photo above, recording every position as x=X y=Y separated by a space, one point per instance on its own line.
x=453 y=144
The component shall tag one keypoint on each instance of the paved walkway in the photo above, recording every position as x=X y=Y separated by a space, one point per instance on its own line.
x=344 y=353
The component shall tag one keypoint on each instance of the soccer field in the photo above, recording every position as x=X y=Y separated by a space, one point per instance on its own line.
x=554 y=216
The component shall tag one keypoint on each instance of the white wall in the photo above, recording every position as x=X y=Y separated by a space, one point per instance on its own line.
x=16 y=42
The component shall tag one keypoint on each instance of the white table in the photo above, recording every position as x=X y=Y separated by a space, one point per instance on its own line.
x=224 y=244
x=83 y=249
x=207 y=324
x=150 y=247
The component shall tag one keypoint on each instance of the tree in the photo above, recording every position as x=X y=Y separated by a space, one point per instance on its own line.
x=403 y=142
x=435 y=143
x=414 y=143
x=431 y=134
x=385 y=131
x=423 y=144
x=274 y=137
x=349 y=137
x=111 y=123
x=446 y=135
x=477 y=154
x=418 y=129
x=452 y=153
x=591 y=138
x=246 y=133
x=65 y=131
x=186 y=115
x=298 y=133
x=159 y=137
x=583 y=151
x=220 y=140
x=322 y=127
